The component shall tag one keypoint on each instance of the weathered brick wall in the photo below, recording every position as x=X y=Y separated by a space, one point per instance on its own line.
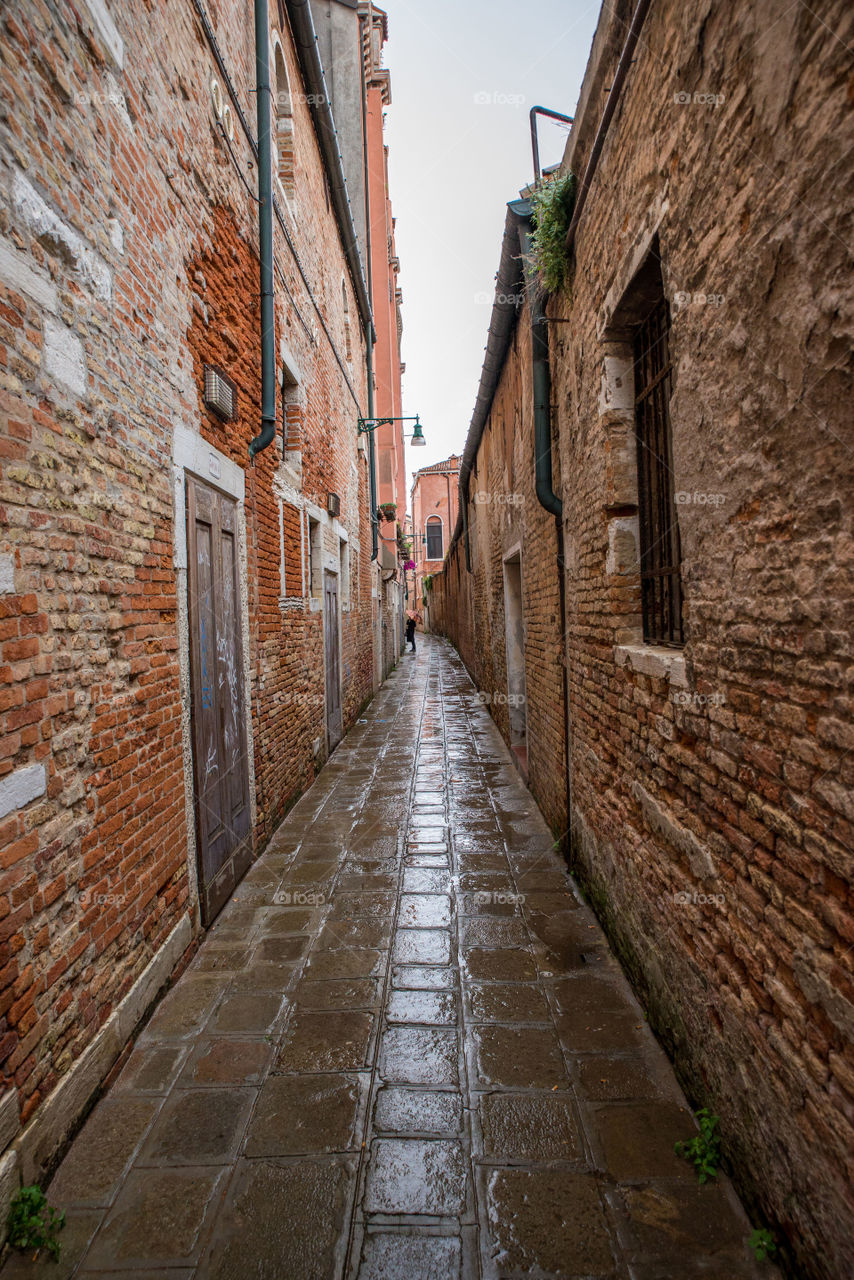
x=469 y=608
x=127 y=259
x=712 y=817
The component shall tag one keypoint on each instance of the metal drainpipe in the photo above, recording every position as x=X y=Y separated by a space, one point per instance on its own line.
x=535 y=142
x=543 y=481
x=542 y=392
x=265 y=232
x=369 y=337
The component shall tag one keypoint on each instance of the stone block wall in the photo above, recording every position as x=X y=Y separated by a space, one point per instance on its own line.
x=711 y=785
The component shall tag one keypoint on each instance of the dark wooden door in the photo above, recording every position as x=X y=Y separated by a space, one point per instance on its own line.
x=334 y=721
x=221 y=767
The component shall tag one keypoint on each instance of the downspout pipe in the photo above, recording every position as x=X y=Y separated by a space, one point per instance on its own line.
x=369 y=331
x=535 y=141
x=623 y=65
x=542 y=387
x=265 y=232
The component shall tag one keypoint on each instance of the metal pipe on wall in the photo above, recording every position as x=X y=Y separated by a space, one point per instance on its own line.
x=535 y=141
x=265 y=232
x=369 y=333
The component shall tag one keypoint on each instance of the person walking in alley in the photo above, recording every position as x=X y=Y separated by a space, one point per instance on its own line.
x=412 y=620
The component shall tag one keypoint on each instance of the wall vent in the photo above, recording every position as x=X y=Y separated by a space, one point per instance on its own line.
x=333 y=504
x=220 y=393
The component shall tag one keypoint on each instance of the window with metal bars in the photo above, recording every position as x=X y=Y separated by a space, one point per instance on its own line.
x=660 y=555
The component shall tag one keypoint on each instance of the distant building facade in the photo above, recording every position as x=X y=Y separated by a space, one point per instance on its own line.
x=434 y=505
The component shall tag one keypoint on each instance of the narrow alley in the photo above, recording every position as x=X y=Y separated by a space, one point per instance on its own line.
x=403 y=1050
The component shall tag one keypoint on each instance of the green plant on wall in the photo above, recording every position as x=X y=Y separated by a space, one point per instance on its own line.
x=552 y=204
x=763 y=1244
x=32 y=1223
x=427 y=582
x=704 y=1150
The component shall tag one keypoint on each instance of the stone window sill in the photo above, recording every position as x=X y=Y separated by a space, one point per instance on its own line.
x=653 y=660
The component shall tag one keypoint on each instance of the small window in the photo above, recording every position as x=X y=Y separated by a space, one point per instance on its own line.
x=284 y=126
x=315 y=575
x=660 y=553
x=344 y=573
x=434 y=538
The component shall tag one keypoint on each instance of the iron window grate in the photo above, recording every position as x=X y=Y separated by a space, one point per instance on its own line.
x=661 y=583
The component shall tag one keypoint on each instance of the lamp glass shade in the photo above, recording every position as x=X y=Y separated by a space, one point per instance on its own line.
x=418 y=436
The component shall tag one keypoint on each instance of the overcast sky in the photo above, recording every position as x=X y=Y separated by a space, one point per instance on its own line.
x=464 y=75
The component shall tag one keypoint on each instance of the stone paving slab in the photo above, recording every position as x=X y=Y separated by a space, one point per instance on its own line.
x=404 y=1050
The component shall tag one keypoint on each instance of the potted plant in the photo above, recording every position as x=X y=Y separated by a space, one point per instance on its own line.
x=387 y=511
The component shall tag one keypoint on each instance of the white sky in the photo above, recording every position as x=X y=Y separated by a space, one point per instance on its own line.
x=464 y=75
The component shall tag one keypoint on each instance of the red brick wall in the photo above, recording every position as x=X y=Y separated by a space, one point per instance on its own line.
x=139 y=251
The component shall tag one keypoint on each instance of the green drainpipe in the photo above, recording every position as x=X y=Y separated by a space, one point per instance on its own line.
x=369 y=332
x=542 y=392
x=265 y=231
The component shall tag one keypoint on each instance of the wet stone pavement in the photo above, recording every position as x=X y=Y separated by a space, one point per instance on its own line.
x=404 y=1050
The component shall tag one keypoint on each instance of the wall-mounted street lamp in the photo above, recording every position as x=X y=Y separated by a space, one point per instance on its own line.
x=367 y=425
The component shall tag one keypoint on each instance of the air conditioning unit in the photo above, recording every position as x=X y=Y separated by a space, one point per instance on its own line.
x=220 y=393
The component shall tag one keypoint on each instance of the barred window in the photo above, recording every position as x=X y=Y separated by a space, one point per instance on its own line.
x=660 y=555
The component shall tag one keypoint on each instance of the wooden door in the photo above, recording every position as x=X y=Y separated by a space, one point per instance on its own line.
x=334 y=721
x=220 y=764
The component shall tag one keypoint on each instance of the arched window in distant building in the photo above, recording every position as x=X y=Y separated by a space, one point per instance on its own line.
x=435 y=550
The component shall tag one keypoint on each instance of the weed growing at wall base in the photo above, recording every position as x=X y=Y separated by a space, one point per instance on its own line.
x=762 y=1243
x=703 y=1151
x=33 y=1223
